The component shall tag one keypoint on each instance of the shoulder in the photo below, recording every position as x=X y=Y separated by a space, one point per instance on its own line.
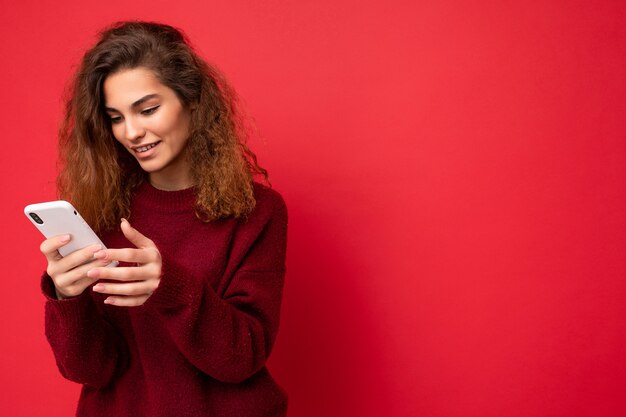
x=269 y=202
x=260 y=239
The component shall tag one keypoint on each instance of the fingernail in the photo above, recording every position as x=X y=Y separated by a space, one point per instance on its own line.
x=98 y=287
x=108 y=301
x=95 y=248
x=101 y=254
x=93 y=273
x=124 y=220
x=64 y=239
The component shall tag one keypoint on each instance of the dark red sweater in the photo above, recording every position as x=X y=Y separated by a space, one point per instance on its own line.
x=199 y=344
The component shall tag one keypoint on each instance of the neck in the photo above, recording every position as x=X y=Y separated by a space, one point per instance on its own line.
x=171 y=183
x=175 y=176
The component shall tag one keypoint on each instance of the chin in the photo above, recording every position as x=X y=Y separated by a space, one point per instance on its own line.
x=150 y=168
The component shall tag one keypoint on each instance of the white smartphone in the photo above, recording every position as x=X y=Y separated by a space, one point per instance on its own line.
x=55 y=218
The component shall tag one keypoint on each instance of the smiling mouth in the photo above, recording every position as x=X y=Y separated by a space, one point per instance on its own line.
x=145 y=148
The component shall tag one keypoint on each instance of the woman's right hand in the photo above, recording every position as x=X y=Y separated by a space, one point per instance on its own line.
x=69 y=273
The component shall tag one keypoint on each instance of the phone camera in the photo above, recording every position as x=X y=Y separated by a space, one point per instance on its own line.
x=36 y=218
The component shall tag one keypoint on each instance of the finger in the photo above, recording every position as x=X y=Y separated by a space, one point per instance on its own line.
x=130 y=273
x=135 y=237
x=50 y=247
x=72 y=260
x=74 y=289
x=128 y=289
x=74 y=275
x=140 y=256
x=130 y=301
x=74 y=282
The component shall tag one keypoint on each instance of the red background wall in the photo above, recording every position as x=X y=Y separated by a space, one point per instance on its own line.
x=455 y=174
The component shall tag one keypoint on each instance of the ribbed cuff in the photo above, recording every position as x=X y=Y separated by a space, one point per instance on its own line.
x=71 y=311
x=47 y=287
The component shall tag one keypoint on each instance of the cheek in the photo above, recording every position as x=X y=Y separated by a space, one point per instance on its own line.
x=183 y=133
x=117 y=130
x=177 y=128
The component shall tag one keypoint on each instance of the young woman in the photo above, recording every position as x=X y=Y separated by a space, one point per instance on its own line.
x=184 y=325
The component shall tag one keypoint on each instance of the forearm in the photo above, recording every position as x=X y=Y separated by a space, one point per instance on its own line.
x=228 y=337
x=87 y=348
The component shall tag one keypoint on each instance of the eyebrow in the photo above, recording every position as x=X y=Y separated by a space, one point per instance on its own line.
x=135 y=104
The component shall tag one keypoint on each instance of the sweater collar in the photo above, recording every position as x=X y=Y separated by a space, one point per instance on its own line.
x=152 y=198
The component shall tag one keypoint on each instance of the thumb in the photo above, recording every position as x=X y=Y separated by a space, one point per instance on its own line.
x=134 y=236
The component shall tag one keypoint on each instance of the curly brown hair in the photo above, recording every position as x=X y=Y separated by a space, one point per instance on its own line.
x=99 y=176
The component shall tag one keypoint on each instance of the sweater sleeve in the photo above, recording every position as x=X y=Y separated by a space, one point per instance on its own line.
x=87 y=348
x=228 y=334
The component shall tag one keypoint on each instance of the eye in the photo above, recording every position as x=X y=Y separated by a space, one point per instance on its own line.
x=115 y=119
x=149 y=110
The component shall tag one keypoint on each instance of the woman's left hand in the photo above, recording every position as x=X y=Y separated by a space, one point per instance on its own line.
x=138 y=282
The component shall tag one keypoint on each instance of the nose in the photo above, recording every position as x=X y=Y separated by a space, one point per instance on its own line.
x=134 y=129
